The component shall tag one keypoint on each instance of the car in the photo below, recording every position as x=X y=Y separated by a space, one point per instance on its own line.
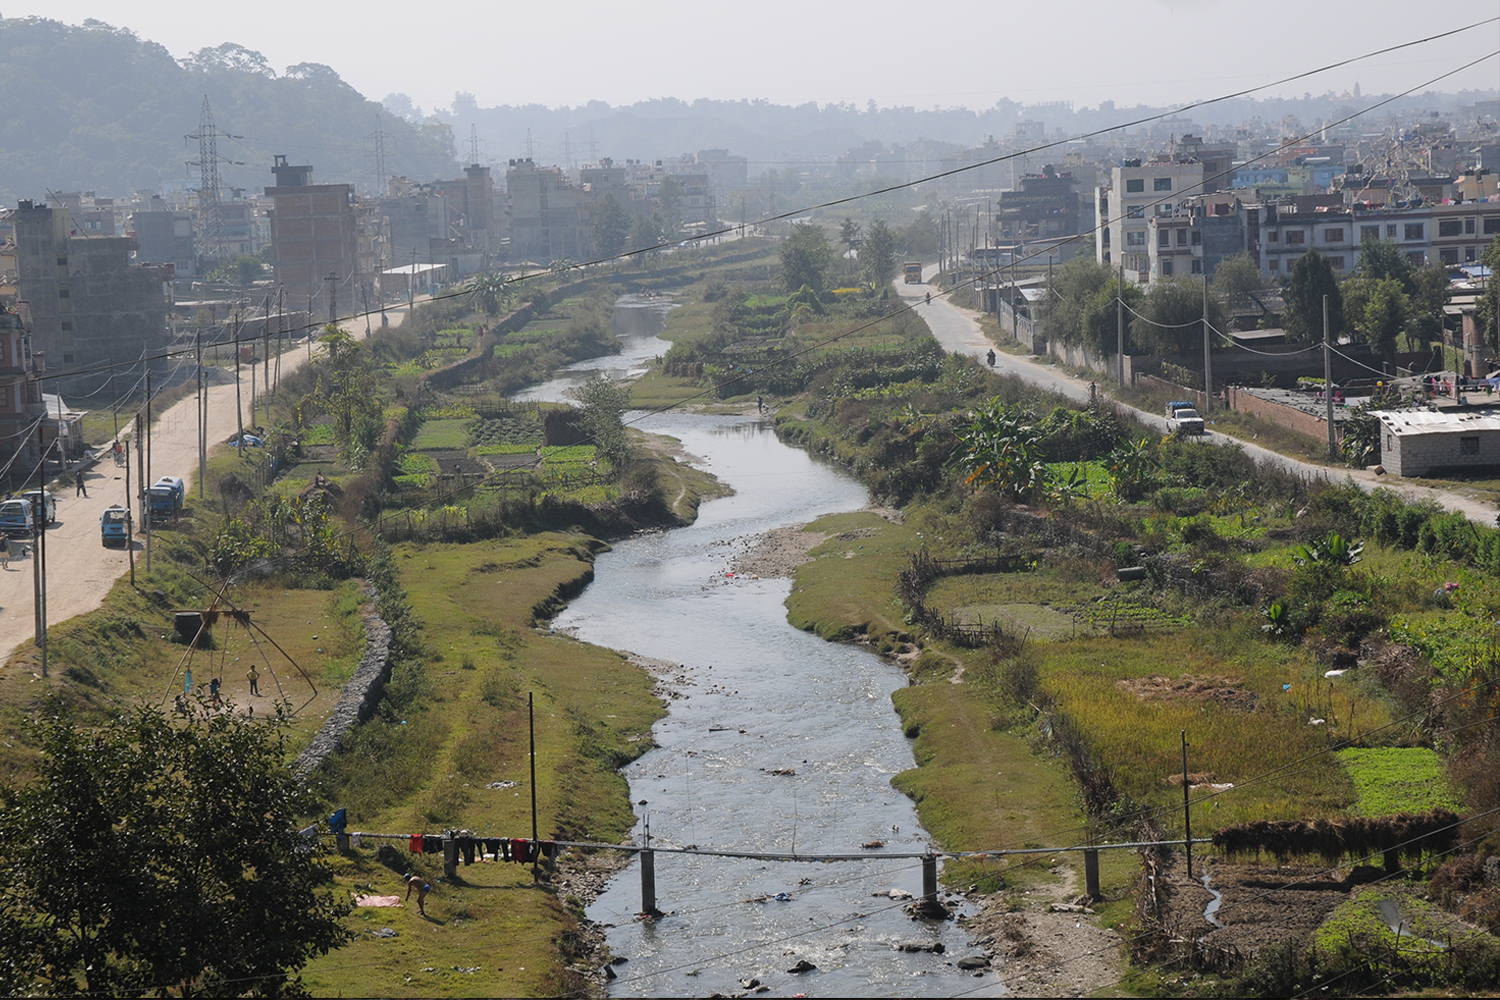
x=48 y=498
x=15 y=517
x=114 y=526
x=1183 y=418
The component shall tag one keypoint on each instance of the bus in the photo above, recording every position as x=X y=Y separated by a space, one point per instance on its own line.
x=914 y=272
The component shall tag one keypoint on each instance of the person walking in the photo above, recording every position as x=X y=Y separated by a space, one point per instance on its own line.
x=82 y=491
x=4 y=551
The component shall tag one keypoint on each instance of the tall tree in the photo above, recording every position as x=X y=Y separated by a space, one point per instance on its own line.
x=611 y=227
x=645 y=232
x=1171 y=318
x=1428 y=295
x=1384 y=316
x=1487 y=310
x=1380 y=259
x=877 y=253
x=805 y=258
x=149 y=857
x=1238 y=280
x=1312 y=278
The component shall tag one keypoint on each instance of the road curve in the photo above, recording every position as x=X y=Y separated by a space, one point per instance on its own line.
x=957 y=330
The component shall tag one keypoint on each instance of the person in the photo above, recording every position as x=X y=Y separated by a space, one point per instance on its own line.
x=418 y=883
x=4 y=550
x=929 y=298
x=990 y=357
x=82 y=491
x=760 y=404
x=253 y=676
x=180 y=706
x=119 y=453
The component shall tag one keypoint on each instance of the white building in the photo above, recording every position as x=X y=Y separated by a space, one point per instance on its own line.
x=1417 y=442
x=1138 y=193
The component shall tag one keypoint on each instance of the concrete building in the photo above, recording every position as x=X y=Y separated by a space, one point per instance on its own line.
x=163 y=236
x=1217 y=159
x=314 y=238
x=1461 y=232
x=726 y=173
x=544 y=208
x=1138 y=193
x=1421 y=442
x=91 y=306
x=1287 y=234
x=20 y=395
x=1046 y=204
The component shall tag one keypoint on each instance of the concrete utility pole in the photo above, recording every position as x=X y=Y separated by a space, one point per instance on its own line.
x=1120 y=323
x=239 y=406
x=202 y=447
x=145 y=454
x=1208 y=356
x=39 y=564
x=1333 y=448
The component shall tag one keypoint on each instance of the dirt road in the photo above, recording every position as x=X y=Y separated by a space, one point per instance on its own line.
x=80 y=570
x=958 y=330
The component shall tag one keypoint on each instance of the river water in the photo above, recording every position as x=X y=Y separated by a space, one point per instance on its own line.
x=756 y=696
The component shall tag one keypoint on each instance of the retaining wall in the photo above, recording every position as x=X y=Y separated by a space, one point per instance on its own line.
x=360 y=696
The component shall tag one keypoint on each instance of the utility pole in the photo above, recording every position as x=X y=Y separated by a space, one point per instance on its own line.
x=1208 y=356
x=280 y=331
x=1120 y=323
x=129 y=506
x=202 y=448
x=39 y=564
x=1333 y=448
x=239 y=406
x=145 y=453
x=333 y=297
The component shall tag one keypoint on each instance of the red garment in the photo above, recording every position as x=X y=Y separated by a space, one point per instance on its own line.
x=520 y=850
x=416 y=843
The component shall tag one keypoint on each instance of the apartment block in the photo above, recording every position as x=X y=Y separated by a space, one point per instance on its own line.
x=314 y=237
x=1138 y=193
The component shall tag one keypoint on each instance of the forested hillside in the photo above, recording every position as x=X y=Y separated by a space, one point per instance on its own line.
x=94 y=107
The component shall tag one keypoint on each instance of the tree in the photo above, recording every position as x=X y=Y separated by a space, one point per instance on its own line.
x=1487 y=309
x=148 y=857
x=920 y=238
x=849 y=234
x=1380 y=259
x=646 y=233
x=611 y=228
x=1171 y=318
x=669 y=197
x=1384 y=316
x=491 y=292
x=805 y=257
x=877 y=253
x=1238 y=280
x=1312 y=278
x=603 y=402
x=1428 y=295
x=1001 y=449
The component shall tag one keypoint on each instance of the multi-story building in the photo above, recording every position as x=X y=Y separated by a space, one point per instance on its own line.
x=91 y=306
x=544 y=208
x=20 y=394
x=314 y=238
x=163 y=236
x=1287 y=234
x=1138 y=193
x=1045 y=205
x=1460 y=232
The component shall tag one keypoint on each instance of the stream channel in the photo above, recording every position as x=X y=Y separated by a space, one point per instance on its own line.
x=755 y=695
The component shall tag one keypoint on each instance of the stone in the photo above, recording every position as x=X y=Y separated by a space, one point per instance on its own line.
x=803 y=965
x=972 y=962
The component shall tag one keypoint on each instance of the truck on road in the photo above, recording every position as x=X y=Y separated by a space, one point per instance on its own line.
x=1182 y=417
x=913 y=272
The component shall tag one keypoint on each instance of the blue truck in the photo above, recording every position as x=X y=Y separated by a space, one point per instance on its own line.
x=165 y=497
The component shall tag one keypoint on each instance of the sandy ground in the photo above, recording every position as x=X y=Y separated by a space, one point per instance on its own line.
x=81 y=571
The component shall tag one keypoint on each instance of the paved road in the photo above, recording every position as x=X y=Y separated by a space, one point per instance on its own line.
x=80 y=571
x=958 y=330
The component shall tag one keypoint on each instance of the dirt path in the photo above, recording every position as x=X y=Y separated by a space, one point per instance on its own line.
x=80 y=571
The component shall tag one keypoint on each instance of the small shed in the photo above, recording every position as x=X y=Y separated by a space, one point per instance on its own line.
x=1421 y=442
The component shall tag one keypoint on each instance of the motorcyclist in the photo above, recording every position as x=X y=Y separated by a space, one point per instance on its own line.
x=990 y=357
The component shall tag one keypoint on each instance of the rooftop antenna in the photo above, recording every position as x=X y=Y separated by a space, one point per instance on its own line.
x=474 y=143
x=210 y=212
x=528 y=144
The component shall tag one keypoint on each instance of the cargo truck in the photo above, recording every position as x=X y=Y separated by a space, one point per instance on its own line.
x=914 y=272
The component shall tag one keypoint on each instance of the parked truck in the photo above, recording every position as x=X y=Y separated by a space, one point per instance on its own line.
x=114 y=526
x=165 y=496
x=1182 y=417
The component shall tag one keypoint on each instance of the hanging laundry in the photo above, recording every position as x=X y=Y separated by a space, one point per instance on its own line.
x=519 y=850
x=549 y=849
x=416 y=843
x=432 y=845
x=493 y=847
x=356 y=841
x=504 y=853
x=466 y=846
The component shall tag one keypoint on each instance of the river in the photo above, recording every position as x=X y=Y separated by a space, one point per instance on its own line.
x=756 y=696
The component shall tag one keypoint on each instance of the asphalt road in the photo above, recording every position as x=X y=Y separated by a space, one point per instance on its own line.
x=958 y=330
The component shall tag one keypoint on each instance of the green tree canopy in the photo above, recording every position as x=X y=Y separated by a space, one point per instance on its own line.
x=1487 y=309
x=611 y=227
x=1238 y=280
x=920 y=237
x=877 y=253
x=646 y=232
x=1378 y=309
x=805 y=258
x=1171 y=319
x=603 y=402
x=152 y=858
x=1428 y=295
x=1380 y=259
x=1312 y=277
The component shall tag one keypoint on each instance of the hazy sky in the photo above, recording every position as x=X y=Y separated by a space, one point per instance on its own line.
x=960 y=52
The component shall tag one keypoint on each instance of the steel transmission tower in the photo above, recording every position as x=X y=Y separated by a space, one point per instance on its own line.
x=474 y=143
x=379 y=136
x=210 y=212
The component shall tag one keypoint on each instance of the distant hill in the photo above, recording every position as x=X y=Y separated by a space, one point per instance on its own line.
x=93 y=107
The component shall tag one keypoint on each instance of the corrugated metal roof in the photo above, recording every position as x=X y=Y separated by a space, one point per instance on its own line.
x=1410 y=422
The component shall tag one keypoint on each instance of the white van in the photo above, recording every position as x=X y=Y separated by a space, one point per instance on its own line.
x=49 y=500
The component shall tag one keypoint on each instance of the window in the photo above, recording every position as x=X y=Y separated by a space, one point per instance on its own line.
x=1468 y=445
x=1414 y=230
x=1368 y=233
x=1390 y=231
x=1469 y=225
x=1164 y=210
x=1270 y=236
x=1197 y=237
x=1136 y=212
x=1197 y=266
x=1273 y=264
x=1161 y=184
x=63 y=293
x=1166 y=268
x=1417 y=258
x=1337 y=263
x=62 y=262
x=1492 y=225
x=1135 y=239
x=1105 y=231
x=1448 y=227
x=1135 y=186
x=1448 y=255
x=1296 y=237
x=67 y=326
x=1469 y=254
x=1182 y=237
x=67 y=359
x=1333 y=235
x=1164 y=238
x=5 y=398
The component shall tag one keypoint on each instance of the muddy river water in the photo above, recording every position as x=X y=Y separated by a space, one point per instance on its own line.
x=756 y=697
